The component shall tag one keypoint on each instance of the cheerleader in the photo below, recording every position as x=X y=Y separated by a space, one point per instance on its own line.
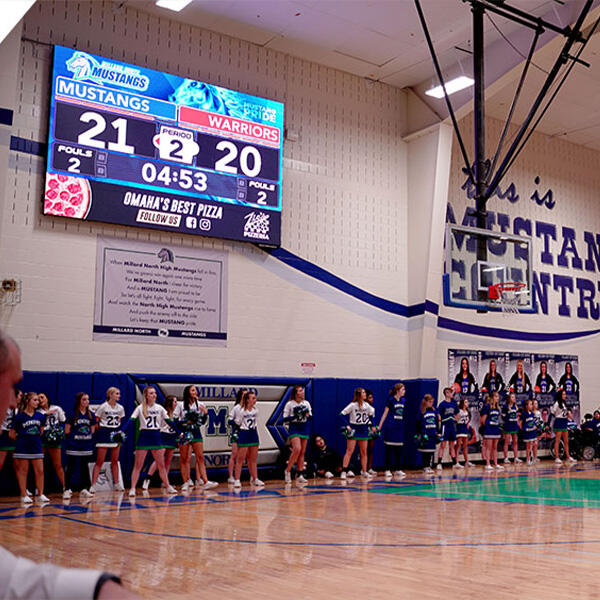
x=191 y=414
x=568 y=381
x=447 y=410
x=79 y=430
x=393 y=438
x=169 y=441
x=528 y=420
x=427 y=431
x=560 y=410
x=297 y=413
x=463 y=418
x=245 y=415
x=492 y=382
x=510 y=427
x=519 y=382
x=7 y=444
x=356 y=418
x=150 y=418
x=27 y=428
x=53 y=434
x=464 y=378
x=109 y=415
x=233 y=433
x=374 y=434
x=490 y=417
x=544 y=383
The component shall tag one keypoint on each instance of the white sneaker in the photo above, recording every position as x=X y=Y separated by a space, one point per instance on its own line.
x=132 y=492
x=458 y=465
x=499 y=468
x=507 y=461
x=328 y=475
x=372 y=472
x=399 y=474
x=343 y=475
x=366 y=475
x=301 y=479
x=428 y=472
x=518 y=460
x=469 y=464
x=93 y=489
x=351 y=474
x=42 y=498
x=439 y=467
x=146 y=484
x=170 y=490
x=86 y=494
x=529 y=463
x=185 y=487
x=258 y=483
x=387 y=474
x=120 y=488
x=67 y=494
x=209 y=485
x=288 y=477
x=572 y=460
x=231 y=480
x=199 y=483
x=489 y=468
x=28 y=493
x=237 y=483
x=558 y=461
x=26 y=500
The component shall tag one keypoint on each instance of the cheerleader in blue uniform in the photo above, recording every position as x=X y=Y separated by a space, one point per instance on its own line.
x=233 y=433
x=519 y=382
x=464 y=379
x=492 y=382
x=79 y=430
x=7 y=444
x=169 y=439
x=427 y=421
x=297 y=414
x=530 y=429
x=191 y=415
x=245 y=417
x=539 y=423
x=54 y=432
x=150 y=418
x=544 y=383
x=560 y=410
x=357 y=418
x=463 y=419
x=490 y=417
x=393 y=436
x=568 y=381
x=510 y=427
x=447 y=410
x=109 y=416
x=27 y=428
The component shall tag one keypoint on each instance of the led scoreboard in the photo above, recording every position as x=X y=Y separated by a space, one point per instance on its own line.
x=133 y=146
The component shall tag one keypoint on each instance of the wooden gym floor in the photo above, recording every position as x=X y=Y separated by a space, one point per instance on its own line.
x=521 y=533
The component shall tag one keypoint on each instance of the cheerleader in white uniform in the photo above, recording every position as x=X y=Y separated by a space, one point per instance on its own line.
x=297 y=414
x=245 y=415
x=560 y=410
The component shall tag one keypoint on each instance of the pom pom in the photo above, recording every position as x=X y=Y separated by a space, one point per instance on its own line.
x=186 y=437
x=54 y=435
x=117 y=437
x=347 y=433
x=193 y=419
x=375 y=432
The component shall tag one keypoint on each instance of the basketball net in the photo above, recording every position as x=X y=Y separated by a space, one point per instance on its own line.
x=507 y=296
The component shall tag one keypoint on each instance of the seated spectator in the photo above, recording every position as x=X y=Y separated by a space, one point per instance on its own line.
x=328 y=463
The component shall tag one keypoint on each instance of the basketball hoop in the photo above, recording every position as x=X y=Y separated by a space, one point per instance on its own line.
x=507 y=295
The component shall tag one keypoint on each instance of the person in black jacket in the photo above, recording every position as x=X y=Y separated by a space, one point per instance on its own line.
x=328 y=463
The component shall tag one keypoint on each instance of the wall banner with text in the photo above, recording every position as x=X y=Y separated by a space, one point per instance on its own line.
x=157 y=293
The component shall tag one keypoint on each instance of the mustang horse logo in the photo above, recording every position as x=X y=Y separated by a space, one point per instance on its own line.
x=81 y=65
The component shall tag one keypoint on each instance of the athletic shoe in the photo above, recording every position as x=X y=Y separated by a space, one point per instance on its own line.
x=119 y=487
x=146 y=484
x=458 y=466
x=429 y=472
x=558 y=461
x=372 y=472
x=518 y=460
x=209 y=485
x=399 y=474
x=199 y=483
x=28 y=493
x=93 y=489
x=258 y=483
x=573 y=460
x=301 y=479
x=132 y=492
x=86 y=494
x=439 y=467
x=469 y=464
x=288 y=477
x=328 y=475
x=366 y=475
x=26 y=500
x=237 y=483
x=42 y=498
x=231 y=480
x=351 y=474
x=499 y=468
x=387 y=474
x=343 y=475
x=171 y=490
x=67 y=494
x=186 y=486
x=529 y=463
x=489 y=468
x=507 y=461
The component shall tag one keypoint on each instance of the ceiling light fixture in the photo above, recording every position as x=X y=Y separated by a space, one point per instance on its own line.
x=452 y=86
x=175 y=5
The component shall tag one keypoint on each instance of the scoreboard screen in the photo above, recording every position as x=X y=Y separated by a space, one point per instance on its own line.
x=133 y=146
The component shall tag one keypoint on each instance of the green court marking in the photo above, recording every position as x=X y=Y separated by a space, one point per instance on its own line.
x=548 y=491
